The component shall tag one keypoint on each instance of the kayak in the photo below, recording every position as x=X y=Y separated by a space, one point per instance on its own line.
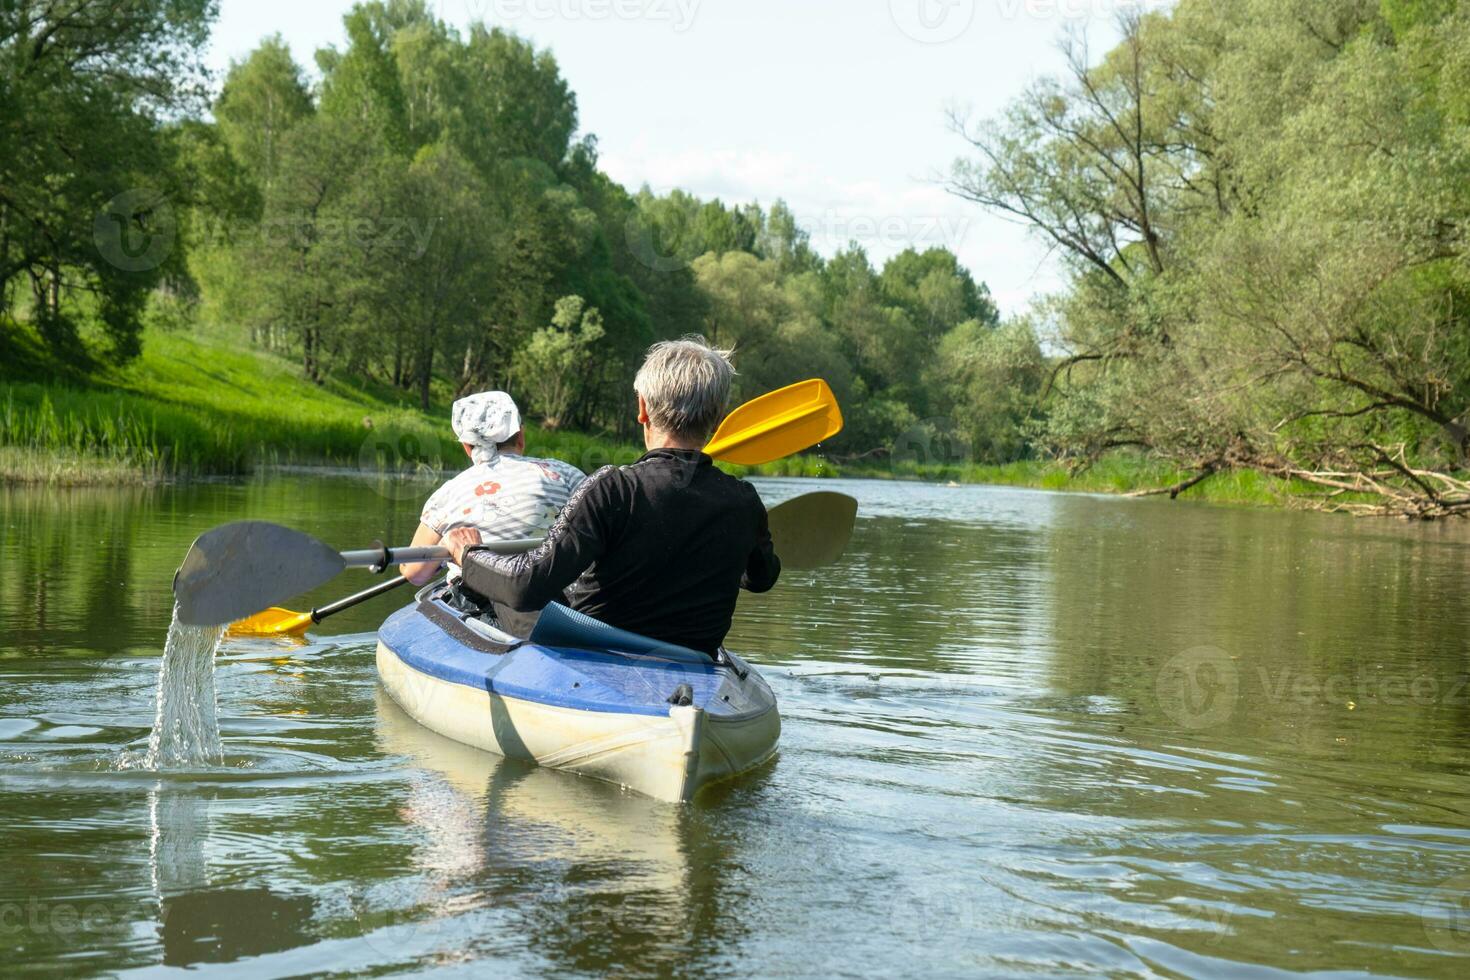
x=579 y=695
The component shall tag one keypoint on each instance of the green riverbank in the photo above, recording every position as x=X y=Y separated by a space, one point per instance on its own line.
x=194 y=407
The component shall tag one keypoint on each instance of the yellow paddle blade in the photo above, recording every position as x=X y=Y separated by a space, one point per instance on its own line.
x=273 y=622
x=786 y=421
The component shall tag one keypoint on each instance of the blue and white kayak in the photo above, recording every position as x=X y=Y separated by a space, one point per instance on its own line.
x=580 y=695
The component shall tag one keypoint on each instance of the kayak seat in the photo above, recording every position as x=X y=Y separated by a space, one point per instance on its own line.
x=560 y=626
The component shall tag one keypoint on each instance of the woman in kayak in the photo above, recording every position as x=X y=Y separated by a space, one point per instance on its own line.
x=504 y=494
x=662 y=547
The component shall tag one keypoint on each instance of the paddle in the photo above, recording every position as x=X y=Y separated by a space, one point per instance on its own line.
x=764 y=429
x=276 y=621
x=812 y=530
x=235 y=569
x=781 y=423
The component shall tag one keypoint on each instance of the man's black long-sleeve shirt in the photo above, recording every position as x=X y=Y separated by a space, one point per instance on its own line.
x=661 y=548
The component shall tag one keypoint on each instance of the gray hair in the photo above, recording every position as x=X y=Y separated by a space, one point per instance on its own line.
x=685 y=384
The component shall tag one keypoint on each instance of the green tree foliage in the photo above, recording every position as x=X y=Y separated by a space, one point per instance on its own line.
x=263 y=98
x=85 y=216
x=551 y=365
x=428 y=217
x=1264 y=207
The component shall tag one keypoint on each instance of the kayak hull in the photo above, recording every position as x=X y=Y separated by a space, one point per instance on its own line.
x=598 y=713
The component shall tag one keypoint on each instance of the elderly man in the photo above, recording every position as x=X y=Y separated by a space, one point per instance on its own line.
x=504 y=494
x=661 y=547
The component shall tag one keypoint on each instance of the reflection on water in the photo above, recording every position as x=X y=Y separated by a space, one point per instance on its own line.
x=1024 y=733
x=198 y=923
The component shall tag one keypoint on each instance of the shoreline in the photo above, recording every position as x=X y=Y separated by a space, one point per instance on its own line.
x=196 y=408
x=24 y=467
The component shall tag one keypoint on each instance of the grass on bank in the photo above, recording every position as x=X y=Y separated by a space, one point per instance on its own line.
x=196 y=406
x=1120 y=473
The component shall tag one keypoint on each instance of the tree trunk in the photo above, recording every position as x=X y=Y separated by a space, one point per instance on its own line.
x=308 y=354
x=426 y=371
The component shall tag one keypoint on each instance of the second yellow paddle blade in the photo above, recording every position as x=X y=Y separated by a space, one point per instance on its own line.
x=273 y=622
x=788 y=420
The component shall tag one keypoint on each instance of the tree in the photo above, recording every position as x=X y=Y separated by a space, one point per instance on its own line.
x=306 y=256
x=936 y=291
x=553 y=361
x=262 y=99
x=1263 y=206
x=361 y=86
x=516 y=103
x=85 y=209
x=431 y=285
x=994 y=376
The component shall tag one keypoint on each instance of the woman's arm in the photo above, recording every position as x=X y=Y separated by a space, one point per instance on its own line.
x=578 y=537
x=420 y=572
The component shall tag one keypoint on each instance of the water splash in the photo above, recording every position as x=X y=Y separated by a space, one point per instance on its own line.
x=186 y=727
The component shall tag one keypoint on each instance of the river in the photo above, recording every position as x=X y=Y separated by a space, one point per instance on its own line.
x=1024 y=734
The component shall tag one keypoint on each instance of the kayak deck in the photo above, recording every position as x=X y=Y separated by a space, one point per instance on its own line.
x=662 y=720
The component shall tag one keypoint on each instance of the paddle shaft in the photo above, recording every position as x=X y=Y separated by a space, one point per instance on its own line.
x=322 y=612
x=235 y=569
x=379 y=558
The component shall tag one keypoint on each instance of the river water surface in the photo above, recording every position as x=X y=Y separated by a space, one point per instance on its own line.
x=1024 y=733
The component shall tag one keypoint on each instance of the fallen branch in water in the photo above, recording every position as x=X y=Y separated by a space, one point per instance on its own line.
x=1179 y=487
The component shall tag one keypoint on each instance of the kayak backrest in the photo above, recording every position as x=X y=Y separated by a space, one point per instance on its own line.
x=560 y=626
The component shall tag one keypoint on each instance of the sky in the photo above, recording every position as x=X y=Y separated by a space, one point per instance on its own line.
x=835 y=106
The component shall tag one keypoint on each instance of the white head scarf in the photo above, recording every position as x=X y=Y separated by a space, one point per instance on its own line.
x=484 y=421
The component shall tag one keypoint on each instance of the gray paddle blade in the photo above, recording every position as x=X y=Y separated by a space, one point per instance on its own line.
x=812 y=530
x=236 y=570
